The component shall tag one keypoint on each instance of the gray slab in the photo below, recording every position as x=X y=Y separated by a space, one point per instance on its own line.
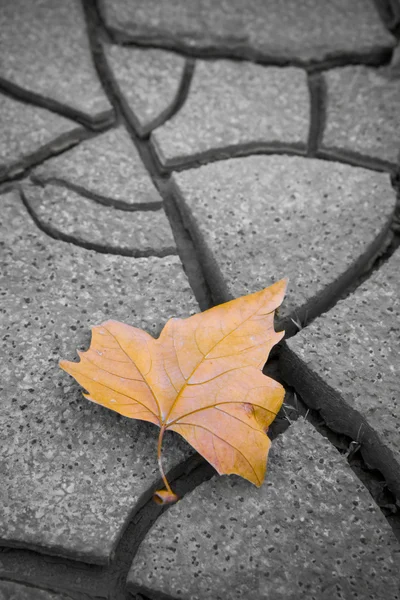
x=148 y=81
x=83 y=221
x=107 y=166
x=71 y=470
x=232 y=103
x=44 y=50
x=9 y=590
x=310 y=531
x=363 y=112
x=311 y=30
x=29 y=134
x=346 y=364
x=258 y=219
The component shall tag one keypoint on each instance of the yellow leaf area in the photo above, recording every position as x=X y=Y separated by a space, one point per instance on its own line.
x=201 y=378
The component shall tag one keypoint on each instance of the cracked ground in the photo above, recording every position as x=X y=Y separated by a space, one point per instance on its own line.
x=158 y=158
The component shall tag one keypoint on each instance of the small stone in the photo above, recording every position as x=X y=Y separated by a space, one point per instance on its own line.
x=72 y=471
x=363 y=112
x=85 y=222
x=9 y=590
x=259 y=219
x=45 y=51
x=107 y=166
x=310 y=531
x=310 y=30
x=346 y=364
x=148 y=80
x=29 y=134
x=233 y=103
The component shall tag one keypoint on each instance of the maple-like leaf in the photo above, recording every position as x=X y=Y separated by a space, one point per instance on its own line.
x=201 y=378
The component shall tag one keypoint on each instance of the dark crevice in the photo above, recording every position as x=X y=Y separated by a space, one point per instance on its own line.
x=143 y=131
x=101 y=248
x=237 y=51
x=99 y=122
x=389 y=11
x=103 y=200
x=186 y=249
x=347 y=430
x=184 y=88
x=81 y=580
x=187 y=254
x=317 y=91
x=317 y=305
x=355 y=159
x=21 y=167
x=233 y=151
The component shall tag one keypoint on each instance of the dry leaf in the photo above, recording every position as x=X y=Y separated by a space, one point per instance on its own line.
x=201 y=378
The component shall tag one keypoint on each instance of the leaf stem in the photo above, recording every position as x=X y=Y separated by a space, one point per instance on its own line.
x=160 y=439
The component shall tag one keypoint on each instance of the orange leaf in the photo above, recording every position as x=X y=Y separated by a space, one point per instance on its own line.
x=201 y=378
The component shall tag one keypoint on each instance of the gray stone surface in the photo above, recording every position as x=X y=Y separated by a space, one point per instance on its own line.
x=10 y=590
x=148 y=81
x=258 y=219
x=108 y=166
x=29 y=133
x=302 y=31
x=64 y=212
x=363 y=112
x=346 y=363
x=233 y=103
x=72 y=471
x=44 y=49
x=310 y=531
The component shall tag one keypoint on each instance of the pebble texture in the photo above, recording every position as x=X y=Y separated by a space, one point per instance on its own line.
x=303 y=31
x=258 y=219
x=83 y=221
x=363 y=112
x=347 y=363
x=107 y=166
x=29 y=133
x=148 y=81
x=310 y=531
x=72 y=471
x=15 y=591
x=233 y=103
x=45 y=51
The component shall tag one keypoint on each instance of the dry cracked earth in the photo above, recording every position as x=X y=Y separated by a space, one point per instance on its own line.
x=157 y=158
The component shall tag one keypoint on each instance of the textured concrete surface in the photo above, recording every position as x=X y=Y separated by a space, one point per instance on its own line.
x=310 y=531
x=233 y=103
x=350 y=358
x=262 y=218
x=45 y=50
x=108 y=166
x=303 y=31
x=15 y=591
x=83 y=221
x=363 y=112
x=148 y=81
x=29 y=133
x=73 y=470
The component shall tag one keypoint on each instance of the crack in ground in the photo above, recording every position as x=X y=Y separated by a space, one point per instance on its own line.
x=26 y=163
x=242 y=52
x=16 y=92
x=81 y=580
x=42 y=181
x=101 y=248
x=317 y=91
x=294 y=407
x=317 y=305
x=186 y=250
x=103 y=581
